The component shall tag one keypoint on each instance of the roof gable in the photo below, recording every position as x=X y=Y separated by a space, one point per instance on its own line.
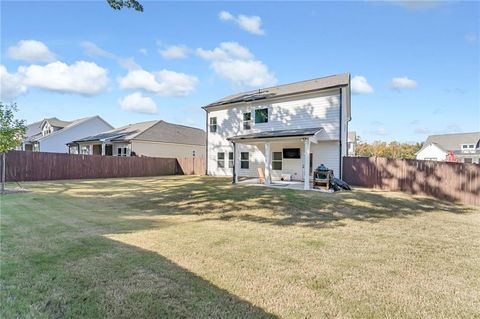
x=172 y=133
x=451 y=142
x=327 y=82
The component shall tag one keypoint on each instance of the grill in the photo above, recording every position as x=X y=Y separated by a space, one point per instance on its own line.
x=322 y=177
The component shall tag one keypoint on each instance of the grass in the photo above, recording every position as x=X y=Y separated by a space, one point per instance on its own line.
x=200 y=247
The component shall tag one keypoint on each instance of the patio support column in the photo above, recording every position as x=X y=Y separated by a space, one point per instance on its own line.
x=268 y=163
x=103 y=148
x=306 y=164
x=235 y=164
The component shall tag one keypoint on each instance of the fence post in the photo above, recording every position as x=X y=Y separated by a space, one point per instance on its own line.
x=4 y=154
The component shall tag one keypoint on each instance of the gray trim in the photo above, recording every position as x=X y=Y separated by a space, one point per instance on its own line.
x=278 y=134
x=302 y=87
x=340 y=137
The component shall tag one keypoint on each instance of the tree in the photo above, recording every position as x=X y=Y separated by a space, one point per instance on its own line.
x=12 y=132
x=120 y=4
x=390 y=150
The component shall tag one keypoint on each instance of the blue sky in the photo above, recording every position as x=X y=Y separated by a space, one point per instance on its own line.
x=415 y=65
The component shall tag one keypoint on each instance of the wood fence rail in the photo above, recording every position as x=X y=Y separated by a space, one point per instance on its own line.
x=36 y=166
x=457 y=182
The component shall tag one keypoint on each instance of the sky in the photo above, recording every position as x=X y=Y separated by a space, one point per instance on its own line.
x=415 y=66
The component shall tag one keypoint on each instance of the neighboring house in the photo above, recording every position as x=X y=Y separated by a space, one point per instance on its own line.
x=153 y=138
x=463 y=147
x=352 y=143
x=52 y=134
x=288 y=129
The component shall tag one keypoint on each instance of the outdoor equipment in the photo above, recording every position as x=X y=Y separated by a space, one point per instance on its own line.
x=322 y=177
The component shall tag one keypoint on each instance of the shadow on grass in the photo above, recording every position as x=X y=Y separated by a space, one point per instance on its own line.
x=220 y=200
x=70 y=268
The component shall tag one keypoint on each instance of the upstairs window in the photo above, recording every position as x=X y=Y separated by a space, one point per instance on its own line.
x=261 y=115
x=247 y=121
x=220 y=159
x=213 y=124
x=244 y=160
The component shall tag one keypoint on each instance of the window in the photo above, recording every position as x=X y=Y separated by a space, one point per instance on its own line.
x=468 y=160
x=121 y=151
x=220 y=160
x=291 y=153
x=213 y=124
x=277 y=161
x=244 y=160
x=247 y=121
x=230 y=159
x=85 y=149
x=261 y=116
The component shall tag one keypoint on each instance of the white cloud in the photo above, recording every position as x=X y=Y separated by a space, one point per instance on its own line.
x=252 y=24
x=238 y=65
x=174 y=52
x=360 y=85
x=11 y=85
x=85 y=78
x=143 y=51
x=422 y=131
x=403 y=83
x=471 y=38
x=93 y=50
x=31 y=51
x=138 y=103
x=416 y=4
x=379 y=131
x=164 y=82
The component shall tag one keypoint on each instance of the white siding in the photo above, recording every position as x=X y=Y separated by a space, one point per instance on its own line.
x=56 y=142
x=324 y=152
x=321 y=109
x=432 y=152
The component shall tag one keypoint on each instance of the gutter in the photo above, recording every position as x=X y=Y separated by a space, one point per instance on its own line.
x=340 y=137
x=206 y=136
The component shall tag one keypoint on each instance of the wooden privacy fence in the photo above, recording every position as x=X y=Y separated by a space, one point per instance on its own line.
x=36 y=166
x=450 y=181
x=191 y=165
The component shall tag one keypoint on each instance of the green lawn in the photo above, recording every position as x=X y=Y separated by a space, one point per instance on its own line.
x=200 y=247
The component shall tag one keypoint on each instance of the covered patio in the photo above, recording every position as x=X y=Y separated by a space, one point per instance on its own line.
x=270 y=143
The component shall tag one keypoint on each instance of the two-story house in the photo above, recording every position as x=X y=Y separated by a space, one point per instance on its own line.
x=459 y=147
x=286 y=130
x=52 y=134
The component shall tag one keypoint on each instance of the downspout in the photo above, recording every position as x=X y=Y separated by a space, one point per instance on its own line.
x=340 y=138
x=206 y=145
x=234 y=162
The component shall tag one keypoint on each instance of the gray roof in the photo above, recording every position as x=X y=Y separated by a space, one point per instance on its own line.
x=33 y=129
x=280 y=133
x=53 y=121
x=155 y=131
x=286 y=89
x=452 y=142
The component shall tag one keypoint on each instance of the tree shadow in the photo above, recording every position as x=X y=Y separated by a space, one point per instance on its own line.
x=456 y=182
x=75 y=268
x=214 y=198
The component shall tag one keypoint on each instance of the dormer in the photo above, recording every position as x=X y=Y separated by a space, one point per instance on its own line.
x=48 y=126
x=467 y=148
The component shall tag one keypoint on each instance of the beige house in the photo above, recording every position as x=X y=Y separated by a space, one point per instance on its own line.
x=152 y=138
